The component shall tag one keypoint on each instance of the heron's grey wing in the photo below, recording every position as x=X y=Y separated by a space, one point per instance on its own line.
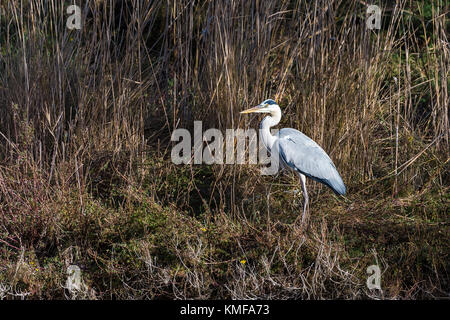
x=304 y=155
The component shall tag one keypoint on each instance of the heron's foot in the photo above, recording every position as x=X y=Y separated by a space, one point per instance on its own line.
x=303 y=219
x=299 y=227
x=302 y=222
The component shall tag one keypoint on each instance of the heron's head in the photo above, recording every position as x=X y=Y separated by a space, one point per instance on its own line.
x=267 y=106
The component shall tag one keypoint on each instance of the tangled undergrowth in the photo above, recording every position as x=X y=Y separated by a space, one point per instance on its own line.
x=135 y=245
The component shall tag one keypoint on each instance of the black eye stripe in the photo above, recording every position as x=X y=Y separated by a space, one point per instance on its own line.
x=269 y=102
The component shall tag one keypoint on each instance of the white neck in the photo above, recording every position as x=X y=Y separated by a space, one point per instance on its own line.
x=264 y=128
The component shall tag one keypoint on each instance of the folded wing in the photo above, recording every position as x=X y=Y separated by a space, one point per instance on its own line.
x=304 y=155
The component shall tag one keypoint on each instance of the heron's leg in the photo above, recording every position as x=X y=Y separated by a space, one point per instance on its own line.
x=305 y=196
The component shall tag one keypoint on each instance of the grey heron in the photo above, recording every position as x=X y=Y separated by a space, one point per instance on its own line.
x=297 y=152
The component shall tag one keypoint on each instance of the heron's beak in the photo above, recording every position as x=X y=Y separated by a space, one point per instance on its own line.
x=251 y=110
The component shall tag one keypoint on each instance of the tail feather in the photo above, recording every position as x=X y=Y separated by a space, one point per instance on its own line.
x=337 y=185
